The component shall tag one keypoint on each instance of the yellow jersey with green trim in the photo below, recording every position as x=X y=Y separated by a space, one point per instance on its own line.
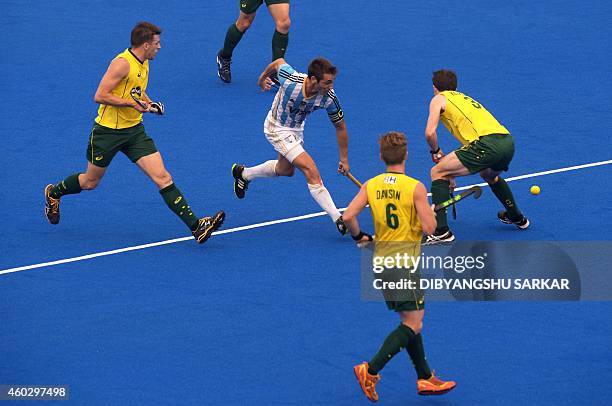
x=125 y=117
x=391 y=200
x=467 y=119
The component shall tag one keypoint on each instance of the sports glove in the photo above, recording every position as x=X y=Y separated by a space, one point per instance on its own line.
x=157 y=108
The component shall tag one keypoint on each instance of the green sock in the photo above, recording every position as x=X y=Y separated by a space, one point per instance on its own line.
x=504 y=194
x=279 y=45
x=440 y=192
x=232 y=38
x=417 y=355
x=68 y=186
x=177 y=203
x=398 y=339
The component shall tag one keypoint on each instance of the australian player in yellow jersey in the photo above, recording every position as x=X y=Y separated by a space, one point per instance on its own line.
x=401 y=215
x=118 y=127
x=487 y=148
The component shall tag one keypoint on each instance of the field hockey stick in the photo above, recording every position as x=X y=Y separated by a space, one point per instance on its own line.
x=353 y=179
x=474 y=190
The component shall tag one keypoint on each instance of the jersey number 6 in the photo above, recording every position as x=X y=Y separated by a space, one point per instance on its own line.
x=392 y=219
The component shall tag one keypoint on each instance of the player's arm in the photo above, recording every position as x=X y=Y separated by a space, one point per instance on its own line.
x=424 y=211
x=359 y=202
x=342 y=137
x=118 y=70
x=436 y=106
x=146 y=97
x=264 y=79
x=336 y=116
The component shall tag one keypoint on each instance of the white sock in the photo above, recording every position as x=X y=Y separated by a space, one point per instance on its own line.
x=324 y=199
x=265 y=170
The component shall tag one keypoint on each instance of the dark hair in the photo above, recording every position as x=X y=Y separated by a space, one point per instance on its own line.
x=320 y=66
x=144 y=32
x=393 y=147
x=444 y=80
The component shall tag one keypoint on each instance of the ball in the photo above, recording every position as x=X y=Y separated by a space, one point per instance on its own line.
x=535 y=190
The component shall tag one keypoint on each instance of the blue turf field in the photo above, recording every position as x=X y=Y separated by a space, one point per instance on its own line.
x=272 y=315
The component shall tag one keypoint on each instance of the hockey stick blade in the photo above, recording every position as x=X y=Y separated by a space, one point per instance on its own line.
x=474 y=190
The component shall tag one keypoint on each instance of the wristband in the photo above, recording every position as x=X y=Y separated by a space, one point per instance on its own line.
x=435 y=152
x=358 y=236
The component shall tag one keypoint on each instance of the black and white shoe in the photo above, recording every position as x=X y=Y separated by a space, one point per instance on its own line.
x=521 y=224
x=223 y=68
x=435 y=239
x=206 y=226
x=240 y=184
x=341 y=226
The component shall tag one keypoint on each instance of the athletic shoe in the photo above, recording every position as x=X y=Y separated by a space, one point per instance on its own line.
x=206 y=226
x=240 y=184
x=434 y=386
x=522 y=224
x=341 y=226
x=223 y=68
x=367 y=381
x=51 y=206
x=435 y=239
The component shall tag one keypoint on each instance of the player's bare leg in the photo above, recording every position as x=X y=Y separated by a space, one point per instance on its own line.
x=284 y=167
x=512 y=215
x=153 y=166
x=92 y=177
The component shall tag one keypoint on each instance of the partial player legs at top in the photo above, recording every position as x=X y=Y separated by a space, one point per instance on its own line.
x=279 y=10
x=282 y=22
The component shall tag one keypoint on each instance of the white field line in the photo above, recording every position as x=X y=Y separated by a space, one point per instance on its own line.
x=265 y=224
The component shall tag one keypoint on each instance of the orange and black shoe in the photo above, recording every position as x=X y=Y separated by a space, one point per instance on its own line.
x=206 y=226
x=51 y=206
x=434 y=386
x=367 y=381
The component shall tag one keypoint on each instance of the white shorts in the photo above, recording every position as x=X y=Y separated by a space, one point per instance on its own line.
x=287 y=142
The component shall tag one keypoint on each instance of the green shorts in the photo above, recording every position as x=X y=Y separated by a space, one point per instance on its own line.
x=105 y=142
x=404 y=299
x=251 y=6
x=406 y=306
x=493 y=151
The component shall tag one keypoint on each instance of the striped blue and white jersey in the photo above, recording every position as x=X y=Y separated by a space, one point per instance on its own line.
x=290 y=108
